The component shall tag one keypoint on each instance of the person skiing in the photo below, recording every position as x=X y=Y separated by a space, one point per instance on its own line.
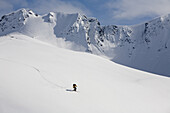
x=74 y=87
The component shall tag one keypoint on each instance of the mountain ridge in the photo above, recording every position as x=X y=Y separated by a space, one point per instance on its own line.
x=144 y=46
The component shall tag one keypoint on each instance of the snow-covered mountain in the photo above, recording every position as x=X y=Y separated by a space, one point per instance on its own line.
x=36 y=76
x=144 y=46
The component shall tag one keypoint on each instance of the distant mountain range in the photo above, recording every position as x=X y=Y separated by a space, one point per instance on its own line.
x=145 y=46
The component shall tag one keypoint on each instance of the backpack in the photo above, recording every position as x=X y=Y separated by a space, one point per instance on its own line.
x=74 y=85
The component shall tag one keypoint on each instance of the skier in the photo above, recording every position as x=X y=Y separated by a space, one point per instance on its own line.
x=74 y=87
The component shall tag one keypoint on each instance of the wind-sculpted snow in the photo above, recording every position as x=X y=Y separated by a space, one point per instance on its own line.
x=144 y=46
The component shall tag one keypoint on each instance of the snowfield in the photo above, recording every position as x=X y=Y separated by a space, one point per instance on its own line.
x=36 y=77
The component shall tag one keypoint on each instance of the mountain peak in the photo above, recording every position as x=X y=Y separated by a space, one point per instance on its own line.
x=21 y=12
x=15 y=20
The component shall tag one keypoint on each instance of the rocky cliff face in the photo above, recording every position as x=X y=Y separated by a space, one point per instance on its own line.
x=144 y=46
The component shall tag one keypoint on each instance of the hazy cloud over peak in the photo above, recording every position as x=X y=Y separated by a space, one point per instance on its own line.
x=46 y=6
x=131 y=9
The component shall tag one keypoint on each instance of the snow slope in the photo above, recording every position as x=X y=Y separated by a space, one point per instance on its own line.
x=144 y=47
x=35 y=76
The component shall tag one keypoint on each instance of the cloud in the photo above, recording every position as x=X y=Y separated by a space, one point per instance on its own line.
x=131 y=9
x=45 y=6
x=6 y=6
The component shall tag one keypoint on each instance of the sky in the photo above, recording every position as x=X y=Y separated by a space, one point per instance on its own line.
x=108 y=12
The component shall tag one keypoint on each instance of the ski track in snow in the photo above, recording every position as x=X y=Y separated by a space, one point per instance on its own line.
x=38 y=70
x=123 y=89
